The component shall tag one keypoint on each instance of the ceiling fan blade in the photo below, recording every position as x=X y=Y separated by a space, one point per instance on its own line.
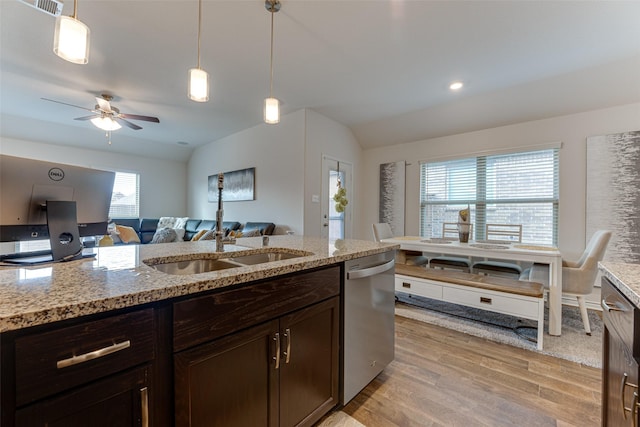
x=104 y=105
x=87 y=117
x=64 y=103
x=127 y=123
x=137 y=117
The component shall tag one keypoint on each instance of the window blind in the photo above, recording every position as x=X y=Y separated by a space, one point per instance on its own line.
x=125 y=199
x=515 y=188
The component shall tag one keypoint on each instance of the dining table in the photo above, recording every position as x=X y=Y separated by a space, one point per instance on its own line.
x=494 y=250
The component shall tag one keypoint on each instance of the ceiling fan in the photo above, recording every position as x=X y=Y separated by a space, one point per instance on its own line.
x=107 y=117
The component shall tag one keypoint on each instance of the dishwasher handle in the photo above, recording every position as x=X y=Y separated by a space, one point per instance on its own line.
x=371 y=271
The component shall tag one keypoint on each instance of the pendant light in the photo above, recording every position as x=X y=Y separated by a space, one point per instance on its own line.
x=198 y=78
x=71 y=38
x=271 y=104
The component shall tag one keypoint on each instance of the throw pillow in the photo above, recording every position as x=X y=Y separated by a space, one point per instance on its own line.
x=166 y=222
x=198 y=235
x=208 y=235
x=179 y=234
x=106 y=241
x=251 y=233
x=164 y=235
x=127 y=234
x=181 y=222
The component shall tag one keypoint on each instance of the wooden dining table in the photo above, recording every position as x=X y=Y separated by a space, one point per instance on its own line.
x=528 y=253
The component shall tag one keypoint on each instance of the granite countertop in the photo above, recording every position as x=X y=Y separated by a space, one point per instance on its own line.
x=118 y=277
x=625 y=277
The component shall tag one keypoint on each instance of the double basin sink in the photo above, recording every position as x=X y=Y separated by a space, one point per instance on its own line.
x=212 y=262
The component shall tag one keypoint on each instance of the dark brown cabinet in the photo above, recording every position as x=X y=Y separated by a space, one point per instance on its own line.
x=620 y=371
x=258 y=354
x=81 y=372
x=281 y=372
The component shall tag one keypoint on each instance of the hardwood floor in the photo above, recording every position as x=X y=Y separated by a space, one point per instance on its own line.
x=442 y=377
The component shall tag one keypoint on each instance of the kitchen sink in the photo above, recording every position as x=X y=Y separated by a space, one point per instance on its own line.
x=194 y=266
x=264 y=257
x=231 y=260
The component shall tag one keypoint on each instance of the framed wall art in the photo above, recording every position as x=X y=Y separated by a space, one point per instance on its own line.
x=238 y=185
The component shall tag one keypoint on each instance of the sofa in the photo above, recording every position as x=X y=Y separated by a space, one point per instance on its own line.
x=145 y=228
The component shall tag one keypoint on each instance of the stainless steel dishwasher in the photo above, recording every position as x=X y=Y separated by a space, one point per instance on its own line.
x=369 y=332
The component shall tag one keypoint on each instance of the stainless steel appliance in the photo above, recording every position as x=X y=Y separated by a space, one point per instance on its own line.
x=369 y=306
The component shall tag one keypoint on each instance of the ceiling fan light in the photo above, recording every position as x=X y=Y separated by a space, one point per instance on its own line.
x=105 y=123
x=198 y=85
x=271 y=111
x=71 y=40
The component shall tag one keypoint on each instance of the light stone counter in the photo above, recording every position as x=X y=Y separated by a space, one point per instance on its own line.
x=118 y=277
x=625 y=277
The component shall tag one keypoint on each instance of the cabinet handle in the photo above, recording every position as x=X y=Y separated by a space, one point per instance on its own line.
x=75 y=360
x=144 y=402
x=276 y=338
x=633 y=409
x=287 y=354
x=612 y=307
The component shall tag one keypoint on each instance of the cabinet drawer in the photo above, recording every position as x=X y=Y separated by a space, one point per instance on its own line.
x=493 y=301
x=419 y=287
x=201 y=319
x=620 y=315
x=52 y=361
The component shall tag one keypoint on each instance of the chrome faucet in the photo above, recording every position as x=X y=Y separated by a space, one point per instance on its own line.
x=219 y=215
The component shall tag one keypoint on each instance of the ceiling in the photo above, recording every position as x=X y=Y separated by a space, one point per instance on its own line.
x=382 y=68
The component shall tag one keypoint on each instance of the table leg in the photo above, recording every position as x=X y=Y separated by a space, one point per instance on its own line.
x=555 y=297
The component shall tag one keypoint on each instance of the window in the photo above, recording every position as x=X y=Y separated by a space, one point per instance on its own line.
x=517 y=188
x=125 y=199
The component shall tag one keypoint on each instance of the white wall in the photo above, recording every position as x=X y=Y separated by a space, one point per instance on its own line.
x=330 y=138
x=277 y=153
x=571 y=130
x=162 y=182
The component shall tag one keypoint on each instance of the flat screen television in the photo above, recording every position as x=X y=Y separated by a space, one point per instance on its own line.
x=27 y=185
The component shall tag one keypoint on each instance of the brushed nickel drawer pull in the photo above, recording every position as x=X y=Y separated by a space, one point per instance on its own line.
x=485 y=300
x=276 y=338
x=406 y=284
x=287 y=353
x=623 y=385
x=612 y=307
x=75 y=360
x=144 y=402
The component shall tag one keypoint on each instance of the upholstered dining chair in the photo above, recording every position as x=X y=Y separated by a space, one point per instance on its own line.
x=500 y=233
x=382 y=230
x=577 y=277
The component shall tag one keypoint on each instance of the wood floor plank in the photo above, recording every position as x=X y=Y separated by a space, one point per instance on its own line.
x=442 y=377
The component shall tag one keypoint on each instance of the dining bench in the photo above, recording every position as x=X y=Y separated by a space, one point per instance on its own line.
x=513 y=297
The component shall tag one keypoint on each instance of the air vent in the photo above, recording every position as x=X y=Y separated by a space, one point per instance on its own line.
x=51 y=7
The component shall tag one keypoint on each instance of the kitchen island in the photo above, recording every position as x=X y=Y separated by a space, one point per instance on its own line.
x=621 y=343
x=84 y=337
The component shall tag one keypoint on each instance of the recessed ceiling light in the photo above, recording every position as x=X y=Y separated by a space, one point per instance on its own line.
x=456 y=86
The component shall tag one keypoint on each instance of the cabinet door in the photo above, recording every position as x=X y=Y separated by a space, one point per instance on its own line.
x=229 y=382
x=619 y=368
x=309 y=363
x=122 y=400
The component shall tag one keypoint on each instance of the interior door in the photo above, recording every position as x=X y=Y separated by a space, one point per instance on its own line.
x=336 y=225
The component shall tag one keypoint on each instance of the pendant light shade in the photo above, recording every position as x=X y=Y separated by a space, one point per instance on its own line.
x=271 y=111
x=198 y=78
x=71 y=39
x=198 y=85
x=271 y=104
x=105 y=123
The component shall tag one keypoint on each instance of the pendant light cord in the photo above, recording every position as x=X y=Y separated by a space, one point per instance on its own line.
x=271 y=57
x=199 y=25
x=75 y=9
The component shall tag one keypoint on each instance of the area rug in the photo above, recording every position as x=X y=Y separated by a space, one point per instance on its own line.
x=573 y=344
x=339 y=419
